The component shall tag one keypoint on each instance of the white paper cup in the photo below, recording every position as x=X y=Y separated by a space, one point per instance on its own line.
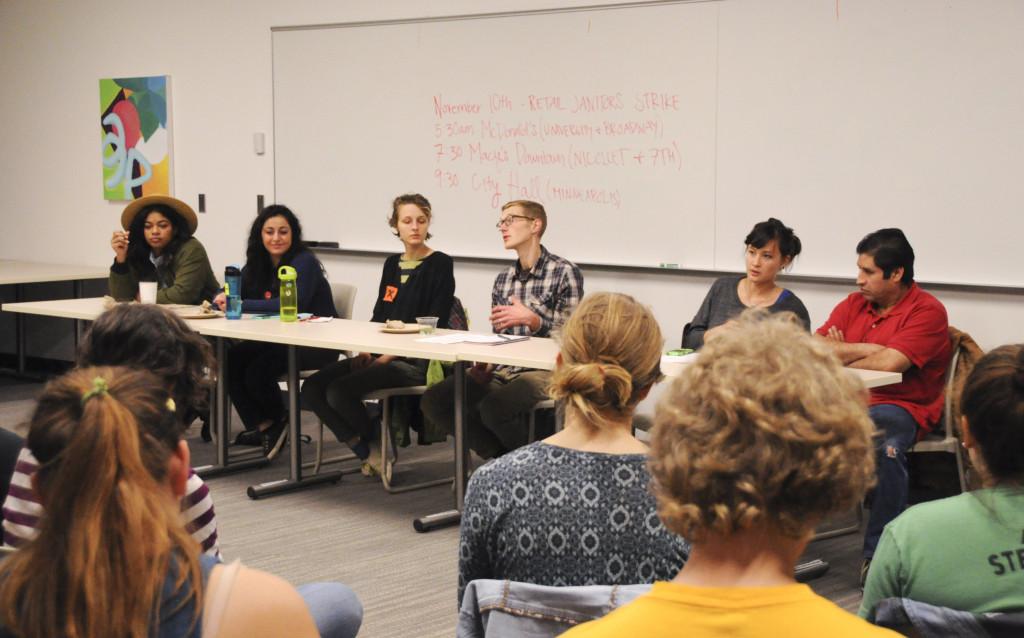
x=427 y=324
x=147 y=291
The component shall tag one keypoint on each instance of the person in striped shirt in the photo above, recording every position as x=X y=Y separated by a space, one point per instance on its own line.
x=140 y=336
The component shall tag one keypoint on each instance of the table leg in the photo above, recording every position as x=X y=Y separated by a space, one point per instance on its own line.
x=220 y=414
x=294 y=417
x=19 y=331
x=452 y=517
x=295 y=481
x=77 y=292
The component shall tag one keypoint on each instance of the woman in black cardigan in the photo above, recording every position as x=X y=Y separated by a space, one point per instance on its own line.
x=418 y=282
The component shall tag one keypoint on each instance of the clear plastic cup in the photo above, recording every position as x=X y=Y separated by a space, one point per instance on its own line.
x=427 y=324
x=147 y=291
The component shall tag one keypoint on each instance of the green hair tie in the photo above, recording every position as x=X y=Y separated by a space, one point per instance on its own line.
x=99 y=386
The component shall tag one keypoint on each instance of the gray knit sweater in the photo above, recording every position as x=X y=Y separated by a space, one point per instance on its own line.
x=722 y=303
x=550 y=515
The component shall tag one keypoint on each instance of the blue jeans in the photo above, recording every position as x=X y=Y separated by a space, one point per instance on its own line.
x=335 y=608
x=890 y=494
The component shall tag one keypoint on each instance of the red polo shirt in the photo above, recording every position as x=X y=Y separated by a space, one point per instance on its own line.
x=917 y=326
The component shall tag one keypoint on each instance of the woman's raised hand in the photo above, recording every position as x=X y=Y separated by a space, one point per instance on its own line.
x=119 y=242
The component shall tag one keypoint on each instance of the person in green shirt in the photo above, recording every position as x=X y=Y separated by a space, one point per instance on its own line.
x=966 y=552
x=157 y=244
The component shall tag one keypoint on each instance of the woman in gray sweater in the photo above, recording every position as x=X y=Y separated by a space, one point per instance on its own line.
x=771 y=247
x=576 y=508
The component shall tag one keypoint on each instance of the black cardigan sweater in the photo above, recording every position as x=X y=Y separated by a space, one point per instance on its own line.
x=427 y=293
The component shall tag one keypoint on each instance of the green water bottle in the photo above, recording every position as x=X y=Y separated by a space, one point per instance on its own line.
x=289 y=293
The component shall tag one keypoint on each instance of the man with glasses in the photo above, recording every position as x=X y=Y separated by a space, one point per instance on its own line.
x=533 y=296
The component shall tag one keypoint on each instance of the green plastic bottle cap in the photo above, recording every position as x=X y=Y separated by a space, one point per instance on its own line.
x=286 y=273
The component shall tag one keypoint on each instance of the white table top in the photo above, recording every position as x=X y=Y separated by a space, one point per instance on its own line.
x=338 y=334
x=342 y=334
x=540 y=353
x=876 y=378
x=536 y=352
x=29 y=272
x=87 y=308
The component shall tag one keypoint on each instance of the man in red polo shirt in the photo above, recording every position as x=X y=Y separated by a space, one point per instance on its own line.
x=891 y=324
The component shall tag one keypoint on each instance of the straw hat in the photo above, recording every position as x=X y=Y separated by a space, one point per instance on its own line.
x=142 y=203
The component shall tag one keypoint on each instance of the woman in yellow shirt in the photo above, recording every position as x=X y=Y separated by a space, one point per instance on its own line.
x=758 y=441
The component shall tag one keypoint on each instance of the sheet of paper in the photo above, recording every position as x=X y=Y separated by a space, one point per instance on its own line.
x=462 y=337
x=472 y=338
x=451 y=338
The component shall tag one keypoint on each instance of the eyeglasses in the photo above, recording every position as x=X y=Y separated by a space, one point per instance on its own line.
x=505 y=222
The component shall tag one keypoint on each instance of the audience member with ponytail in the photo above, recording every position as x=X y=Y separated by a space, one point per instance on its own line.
x=141 y=336
x=111 y=557
x=965 y=552
x=575 y=509
x=753 y=445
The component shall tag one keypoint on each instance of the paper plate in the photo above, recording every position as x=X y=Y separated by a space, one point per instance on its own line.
x=408 y=330
x=194 y=312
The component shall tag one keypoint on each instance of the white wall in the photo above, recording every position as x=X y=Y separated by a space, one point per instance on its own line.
x=219 y=58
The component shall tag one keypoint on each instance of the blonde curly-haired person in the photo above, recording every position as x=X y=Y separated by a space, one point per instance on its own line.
x=759 y=440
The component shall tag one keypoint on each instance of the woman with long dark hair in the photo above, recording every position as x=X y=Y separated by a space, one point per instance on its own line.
x=417 y=282
x=254 y=367
x=157 y=244
x=111 y=557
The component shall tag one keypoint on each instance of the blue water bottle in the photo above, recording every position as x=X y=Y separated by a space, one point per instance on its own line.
x=233 y=291
x=289 y=293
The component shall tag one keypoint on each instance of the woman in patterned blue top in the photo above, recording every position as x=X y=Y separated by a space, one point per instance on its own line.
x=575 y=509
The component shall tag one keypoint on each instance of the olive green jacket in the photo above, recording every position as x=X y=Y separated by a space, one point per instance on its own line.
x=188 y=279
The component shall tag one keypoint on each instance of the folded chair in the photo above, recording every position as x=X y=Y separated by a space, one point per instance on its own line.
x=389 y=453
x=965 y=354
x=508 y=608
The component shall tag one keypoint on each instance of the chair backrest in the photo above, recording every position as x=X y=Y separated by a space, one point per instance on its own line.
x=966 y=353
x=458 y=319
x=344 y=298
x=507 y=608
x=914 y=618
x=949 y=416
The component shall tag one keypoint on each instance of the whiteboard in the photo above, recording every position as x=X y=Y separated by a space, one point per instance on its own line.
x=605 y=116
x=845 y=117
x=662 y=133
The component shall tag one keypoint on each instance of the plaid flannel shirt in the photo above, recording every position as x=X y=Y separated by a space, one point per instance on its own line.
x=552 y=289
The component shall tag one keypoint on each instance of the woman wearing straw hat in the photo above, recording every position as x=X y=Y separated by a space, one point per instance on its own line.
x=157 y=245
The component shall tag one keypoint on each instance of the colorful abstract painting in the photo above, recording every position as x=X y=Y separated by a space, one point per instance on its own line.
x=136 y=130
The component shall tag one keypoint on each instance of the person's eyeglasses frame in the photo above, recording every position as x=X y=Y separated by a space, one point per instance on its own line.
x=507 y=221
